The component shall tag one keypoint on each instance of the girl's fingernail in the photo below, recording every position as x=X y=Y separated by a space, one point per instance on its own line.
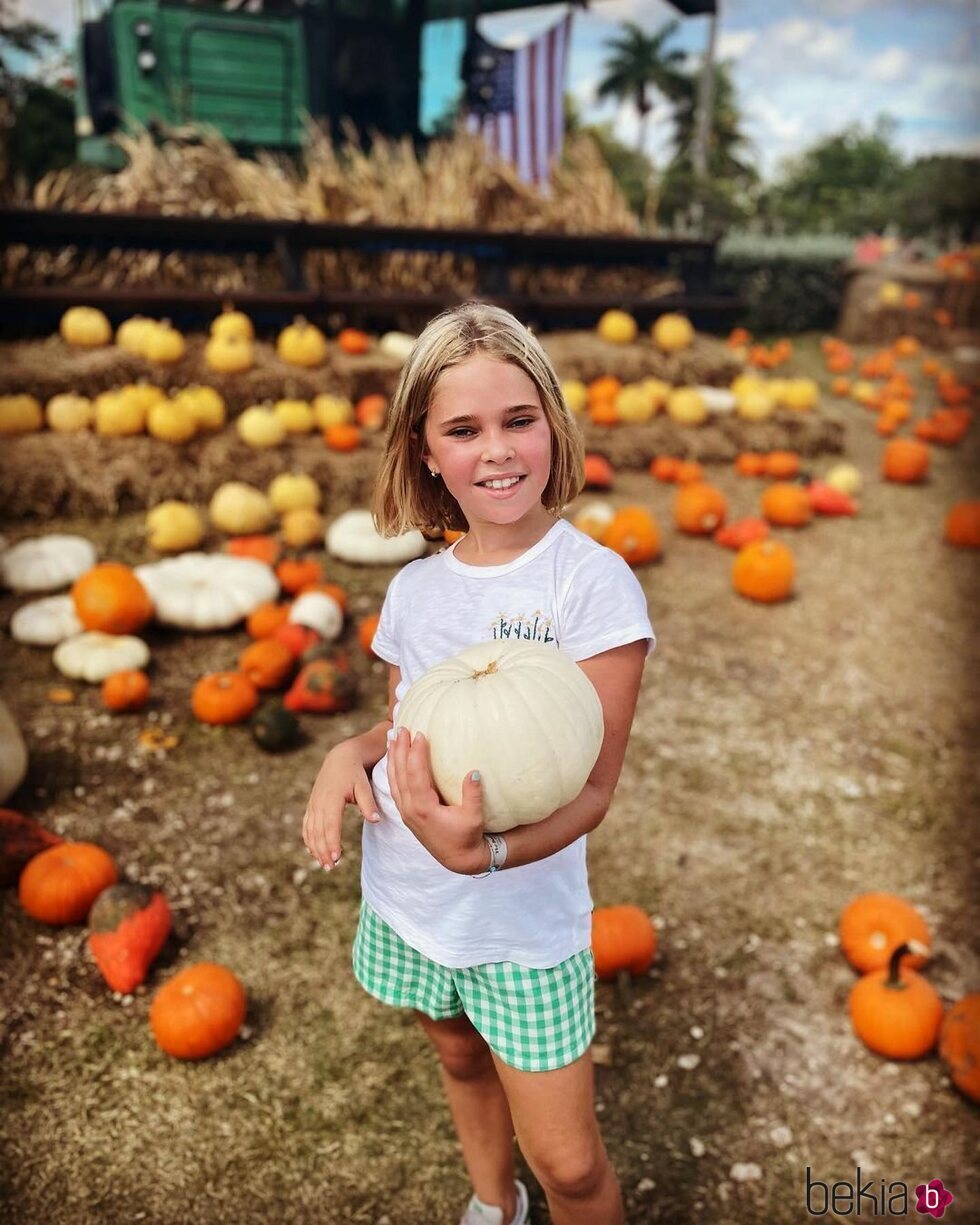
x=337 y=858
x=475 y=776
x=417 y=738
x=375 y=816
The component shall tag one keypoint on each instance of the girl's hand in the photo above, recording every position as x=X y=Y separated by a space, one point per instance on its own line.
x=342 y=780
x=451 y=833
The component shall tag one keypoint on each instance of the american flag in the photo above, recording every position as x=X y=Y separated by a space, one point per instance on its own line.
x=515 y=98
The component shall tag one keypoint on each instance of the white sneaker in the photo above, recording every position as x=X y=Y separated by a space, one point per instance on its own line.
x=478 y=1213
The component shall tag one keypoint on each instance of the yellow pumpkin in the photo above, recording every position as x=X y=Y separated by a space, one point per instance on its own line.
x=229 y=354
x=240 y=509
x=672 y=333
x=302 y=527
x=594 y=518
x=634 y=404
x=145 y=395
x=260 y=427
x=293 y=491
x=801 y=395
x=232 y=324
x=205 y=404
x=118 y=415
x=845 y=478
x=132 y=333
x=755 y=404
x=171 y=421
x=686 y=406
x=617 y=327
x=575 y=394
x=163 y=345
x=302 y=344
x=657 y=390
x=86 y=327
x=890 y=294
x=20 y=414
x=295 y=415
x=332 y=410
x=68 y=412
x=173 y=527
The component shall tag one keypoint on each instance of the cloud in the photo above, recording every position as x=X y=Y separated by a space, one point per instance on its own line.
x=892 y=64
x=733 y=44
x=816 y=40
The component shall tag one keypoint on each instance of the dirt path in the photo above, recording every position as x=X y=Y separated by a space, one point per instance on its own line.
x=783 y=760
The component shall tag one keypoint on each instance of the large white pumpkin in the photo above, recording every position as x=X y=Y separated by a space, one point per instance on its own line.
x=523 y=714
x=46 y=622
x=47 y=563
x=93 y=656
x=352 y=537
x=207 y=591
x=13 y=754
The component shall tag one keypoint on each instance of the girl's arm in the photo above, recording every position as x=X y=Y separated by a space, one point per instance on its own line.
x=456 y=839
x=343 y=779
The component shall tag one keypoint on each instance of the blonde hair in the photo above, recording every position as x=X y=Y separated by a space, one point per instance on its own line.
x=405 y=495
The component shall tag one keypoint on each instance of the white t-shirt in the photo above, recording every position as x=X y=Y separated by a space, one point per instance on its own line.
x=566 y=590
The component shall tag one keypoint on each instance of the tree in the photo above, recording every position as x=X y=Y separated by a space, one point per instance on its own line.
x=940 y=196
x=846 y=182
x=639 y=63
x=36 y=121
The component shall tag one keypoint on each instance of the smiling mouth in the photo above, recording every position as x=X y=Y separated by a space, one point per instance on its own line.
x=505 y=482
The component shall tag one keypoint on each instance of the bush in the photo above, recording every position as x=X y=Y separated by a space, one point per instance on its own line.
x=786 y=285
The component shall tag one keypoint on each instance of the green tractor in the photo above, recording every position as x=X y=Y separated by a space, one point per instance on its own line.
x=253 y=69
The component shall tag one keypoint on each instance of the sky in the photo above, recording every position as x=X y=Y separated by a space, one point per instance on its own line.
x=802 y=68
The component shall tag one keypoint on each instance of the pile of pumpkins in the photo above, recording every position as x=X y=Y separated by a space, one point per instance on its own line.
x=894 y=1010
x=197 y=1012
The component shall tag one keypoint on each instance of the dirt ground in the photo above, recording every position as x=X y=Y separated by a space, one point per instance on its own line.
x=783 y=759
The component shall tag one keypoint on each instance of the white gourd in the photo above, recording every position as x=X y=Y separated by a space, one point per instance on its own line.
x=46 y=563
x=398 y=345
x=351 y=537
x=93 y=656
x=523 y=714
x=13 y=754
x=207 y=591
x=718 y=399
x=319 y=612
x=46 y=622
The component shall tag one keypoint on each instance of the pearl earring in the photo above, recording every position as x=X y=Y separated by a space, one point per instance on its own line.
x=432 y=472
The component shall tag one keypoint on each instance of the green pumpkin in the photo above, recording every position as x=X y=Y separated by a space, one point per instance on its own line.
x=274 y=728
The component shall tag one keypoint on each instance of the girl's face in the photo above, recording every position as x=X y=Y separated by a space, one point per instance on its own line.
x=486 y=424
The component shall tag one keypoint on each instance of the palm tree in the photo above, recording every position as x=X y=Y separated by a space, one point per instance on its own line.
x=729 y=149
x=638 y=63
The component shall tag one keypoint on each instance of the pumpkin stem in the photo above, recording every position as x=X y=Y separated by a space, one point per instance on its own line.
x=914 y=947
x=490 y=668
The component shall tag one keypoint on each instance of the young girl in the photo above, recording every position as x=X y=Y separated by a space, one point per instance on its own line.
x=487 y=938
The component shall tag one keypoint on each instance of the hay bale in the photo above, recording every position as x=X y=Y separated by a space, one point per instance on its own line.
x=584 y=355
x=864 y=319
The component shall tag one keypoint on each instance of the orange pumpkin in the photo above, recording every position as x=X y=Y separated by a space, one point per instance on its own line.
x=224 y=697
x=296 y=638
x=370 y=412
x=603 y=412
x=895 y=1011
x=606 y=387
x=60 y=884
x=699 y=509
x=742 y=532
x=963 y=525
x=598 y=472
x=126 y=690
x=266 y=663
x=959 y=1045
x=840 y=362
x=344 y=437
x=885 y=427
x=664 y=468
x=263 y=621
x=198 y=1012
x=262 y=548
x=110 y=598
x=634 y=535
x=366 y=629
x=764 y=571
x=750 y=463
x=323 y=686
x=295 y=573
x=873 y=925
x=782 y=464
x=906 y=346
x=786 y=505
x=840 y=387
x=353 y=340
x=689 y=472
x=623 y=940
x=905 y=460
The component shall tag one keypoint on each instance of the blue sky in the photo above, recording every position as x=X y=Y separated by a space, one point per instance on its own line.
x=802 y=68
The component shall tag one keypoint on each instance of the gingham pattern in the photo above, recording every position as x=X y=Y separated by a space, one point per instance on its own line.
x=534 y=1020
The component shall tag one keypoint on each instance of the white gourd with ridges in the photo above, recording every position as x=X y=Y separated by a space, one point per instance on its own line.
x=523 y=714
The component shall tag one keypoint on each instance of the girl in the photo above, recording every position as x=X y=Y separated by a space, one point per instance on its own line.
x=487 y=938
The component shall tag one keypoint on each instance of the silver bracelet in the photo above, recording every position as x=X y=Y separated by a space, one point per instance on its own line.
x=498 y=854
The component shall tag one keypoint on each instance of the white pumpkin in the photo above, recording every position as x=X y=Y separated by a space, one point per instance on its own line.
x=93 y=656
x=207 y=591
x=718 y=399
x=13 y=754
x=45 y=623
x=320 y=612
x=47 y=563
x=397 y=345
x=352 y=537
x=523 y=714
